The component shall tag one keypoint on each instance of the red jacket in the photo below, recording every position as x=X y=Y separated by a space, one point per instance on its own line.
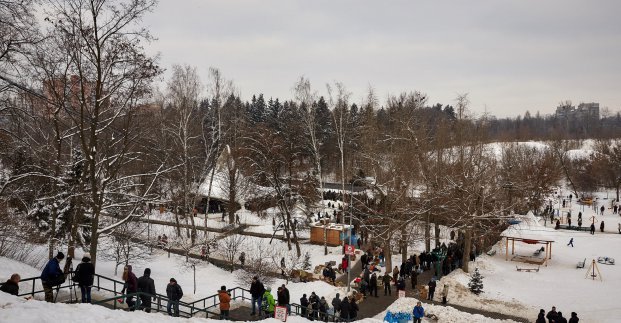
x=344 y=263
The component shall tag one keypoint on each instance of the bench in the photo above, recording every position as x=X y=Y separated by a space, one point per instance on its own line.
x=581 y=264
x=537 y=253
x=527 y=269
x=491 y=252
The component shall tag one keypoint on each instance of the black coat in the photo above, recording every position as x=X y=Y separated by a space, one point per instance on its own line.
x=551 y=316
x=84 y=273
x=10 y=287
x=353 y=309
x=345 y=309
x=560 y=319
x=174 y=292
x=287 y=296
x=304 y=302
x=541 y=318
x=574 y=319
x=373 y=282
x=147 y=285
x=257 y=289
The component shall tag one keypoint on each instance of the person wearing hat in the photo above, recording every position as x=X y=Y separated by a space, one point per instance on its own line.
x=225 y=303
x=268 y=303
x=174 y=293
x=574 y=318
x=256 y=290
x=146 y=285
x=52 y=276
x=541 y=317
x=84 y=275
x=12 y=285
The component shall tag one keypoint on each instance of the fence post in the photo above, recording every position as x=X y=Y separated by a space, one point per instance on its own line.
x=99 y=286
x=34 y=281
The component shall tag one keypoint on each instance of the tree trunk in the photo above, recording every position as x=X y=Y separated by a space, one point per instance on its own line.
x=467 y=248
x=427 y=234
x=437 y=233
x=387 y=255
x=404 y=245
x=176 y=212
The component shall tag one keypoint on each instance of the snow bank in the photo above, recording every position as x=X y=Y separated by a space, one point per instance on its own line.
x=442 y=313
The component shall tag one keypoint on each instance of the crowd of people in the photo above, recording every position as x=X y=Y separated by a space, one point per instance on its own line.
x=556 y=317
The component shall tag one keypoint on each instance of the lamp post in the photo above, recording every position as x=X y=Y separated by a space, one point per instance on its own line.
x=351 y=214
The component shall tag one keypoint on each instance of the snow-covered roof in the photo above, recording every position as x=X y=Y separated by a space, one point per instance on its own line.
x=529 y=229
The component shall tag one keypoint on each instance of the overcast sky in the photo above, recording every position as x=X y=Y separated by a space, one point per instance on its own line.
x=510 y=56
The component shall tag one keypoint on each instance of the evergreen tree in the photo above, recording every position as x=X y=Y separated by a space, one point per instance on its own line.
x=306 y=265
x=476 y=282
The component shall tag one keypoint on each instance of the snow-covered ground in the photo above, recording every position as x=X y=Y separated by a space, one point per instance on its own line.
x=560 y=283
x=15 y=309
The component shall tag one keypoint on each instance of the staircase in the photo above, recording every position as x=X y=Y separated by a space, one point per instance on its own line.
x=207 y=307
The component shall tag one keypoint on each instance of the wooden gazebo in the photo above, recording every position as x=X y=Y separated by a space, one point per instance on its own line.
x=528 y=259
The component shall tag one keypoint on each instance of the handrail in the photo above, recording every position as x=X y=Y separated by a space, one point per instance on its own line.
x=191 y=306
x=159 y=300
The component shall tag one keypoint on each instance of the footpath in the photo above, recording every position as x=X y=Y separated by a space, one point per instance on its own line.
x=372 y=306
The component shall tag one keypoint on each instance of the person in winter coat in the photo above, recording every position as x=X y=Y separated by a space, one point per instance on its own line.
x=84 y=275
x=601 y=226
x=445 y=291
x=174 y=294
x=225 y=303
x=336 y=304
x=592 y=228
x=314 y=306
x=560 y=318
x=130 y=286
x=541 y=318
x=52 y=276
x=574 y=318
x=12 y=285
x=395 y=275
x=386 y=281
x=146 y=285
x=304 y=305
x=287 y=298
x=353 y=309
x=345 y=309
x=345 y=264
x=268 y=303
x=414 y=277
x=551 y=316
x=256 y=290
x=432 y=289
x=323 y=309
x=401 y=284
x=418 y=313
x=373 y=285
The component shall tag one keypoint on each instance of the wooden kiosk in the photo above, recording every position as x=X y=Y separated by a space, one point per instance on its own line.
x=333 y=234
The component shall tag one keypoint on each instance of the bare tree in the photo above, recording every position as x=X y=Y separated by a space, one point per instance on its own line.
x=123 y=245
x=230 y=246
x=184 y=127
x=113 y=75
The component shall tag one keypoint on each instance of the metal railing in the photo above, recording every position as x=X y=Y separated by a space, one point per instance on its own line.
x=185 y=309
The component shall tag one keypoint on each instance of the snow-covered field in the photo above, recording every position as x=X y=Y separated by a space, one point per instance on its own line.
x=559 y=284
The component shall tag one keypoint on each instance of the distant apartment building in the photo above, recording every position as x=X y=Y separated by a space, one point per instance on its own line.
x=584 y=111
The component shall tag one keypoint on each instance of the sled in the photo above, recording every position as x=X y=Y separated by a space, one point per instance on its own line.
x=581 y=263
x=606 y=260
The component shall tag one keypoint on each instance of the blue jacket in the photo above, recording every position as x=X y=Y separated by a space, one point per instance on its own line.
x=419 y=312
x=52 y=271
